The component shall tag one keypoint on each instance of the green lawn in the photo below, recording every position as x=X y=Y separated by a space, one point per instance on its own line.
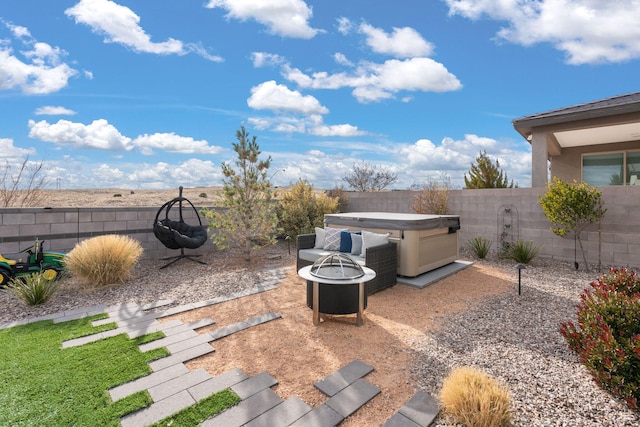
x=42 y=384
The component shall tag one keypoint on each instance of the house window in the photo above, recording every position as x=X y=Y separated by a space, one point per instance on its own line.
x=633 y=168
x=603 y=169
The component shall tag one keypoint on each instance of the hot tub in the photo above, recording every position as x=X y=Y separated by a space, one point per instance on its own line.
x=424 y=242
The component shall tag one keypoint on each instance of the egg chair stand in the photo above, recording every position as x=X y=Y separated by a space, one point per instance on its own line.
x=176 y=234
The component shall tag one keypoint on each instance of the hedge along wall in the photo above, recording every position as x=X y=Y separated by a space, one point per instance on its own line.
x=483 y=213
x=63 y=228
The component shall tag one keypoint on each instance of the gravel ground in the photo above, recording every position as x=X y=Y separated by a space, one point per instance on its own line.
x=512 y=337
x=184 y=282
x=515 y=338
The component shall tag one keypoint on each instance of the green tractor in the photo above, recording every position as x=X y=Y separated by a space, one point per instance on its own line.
x=36 y=260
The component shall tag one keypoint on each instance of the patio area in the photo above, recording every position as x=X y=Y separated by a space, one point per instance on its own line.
x=411 y=337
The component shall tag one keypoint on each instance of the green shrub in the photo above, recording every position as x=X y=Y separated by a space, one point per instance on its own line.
x=480 y=246
x=607 y=335
x=301 y=209
x=521 y=251
x=475 y=399
x=33 y=289
x=104 y=260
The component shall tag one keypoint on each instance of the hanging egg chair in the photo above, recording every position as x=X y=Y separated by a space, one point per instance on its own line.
x=175 y=233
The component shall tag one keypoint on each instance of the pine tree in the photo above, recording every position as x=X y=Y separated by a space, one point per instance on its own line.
x=249 y=219
x=485 y=174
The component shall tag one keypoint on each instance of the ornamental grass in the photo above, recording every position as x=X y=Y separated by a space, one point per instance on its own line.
x=475 y=399
x=104 y=260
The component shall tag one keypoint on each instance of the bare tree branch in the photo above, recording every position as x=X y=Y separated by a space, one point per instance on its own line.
x=23 y=188
x=365 y=177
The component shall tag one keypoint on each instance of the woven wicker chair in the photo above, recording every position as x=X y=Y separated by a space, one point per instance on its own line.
x=382 y=259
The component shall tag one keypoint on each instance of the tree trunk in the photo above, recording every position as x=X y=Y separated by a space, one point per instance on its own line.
x=584 y=256
x=247 y=250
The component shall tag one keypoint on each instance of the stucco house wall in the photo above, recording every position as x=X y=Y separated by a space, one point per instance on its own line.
x=568 y=166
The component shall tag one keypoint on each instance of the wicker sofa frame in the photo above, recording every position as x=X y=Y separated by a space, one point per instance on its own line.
x=382 y=259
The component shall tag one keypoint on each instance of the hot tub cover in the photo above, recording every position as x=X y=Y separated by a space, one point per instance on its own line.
x=394 y=221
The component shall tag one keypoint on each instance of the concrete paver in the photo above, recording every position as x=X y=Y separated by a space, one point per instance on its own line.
x=178 y=384
x=422 y=408
x=181 y=356
x=399 y=420
x=217 y=383
x=338 y=380
x=245 y=411
x=283 y=415
x=350 y=399
x=158 y=410
x=322 y=416
x=148 y=381
x=253 y=385
x=170 y=339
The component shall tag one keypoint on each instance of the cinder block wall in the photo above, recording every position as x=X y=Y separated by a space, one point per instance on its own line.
x=63 y=228
x=482 y=213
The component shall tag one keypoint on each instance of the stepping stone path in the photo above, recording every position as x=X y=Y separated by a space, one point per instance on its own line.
x=173 y=387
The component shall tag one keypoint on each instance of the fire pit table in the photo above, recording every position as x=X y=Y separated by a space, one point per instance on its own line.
x=330 y=275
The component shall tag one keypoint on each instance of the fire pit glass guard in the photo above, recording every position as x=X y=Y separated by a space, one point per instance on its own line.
x=336 y=267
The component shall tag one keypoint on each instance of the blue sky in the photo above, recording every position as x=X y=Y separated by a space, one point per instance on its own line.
x=149 y=94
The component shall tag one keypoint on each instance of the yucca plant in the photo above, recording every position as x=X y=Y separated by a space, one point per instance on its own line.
x=104 y=260
x=521 y=251
x=475 y=399
x=33 y=289
x=480 y=246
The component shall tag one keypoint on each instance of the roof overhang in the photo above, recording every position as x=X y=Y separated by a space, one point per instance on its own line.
x=607 y=121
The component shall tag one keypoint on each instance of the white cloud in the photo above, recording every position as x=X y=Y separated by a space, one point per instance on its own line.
x=341 y=59
x=336 y=130
x=10 y=151
x=287 y=18
x=402 y=43
x=190 y=173
x=588 y=31
x=312 y=125
x=40 y=71
x=344 y=25
x=173 y=143
x=97 y=135
x=119 y=24
x=51 y=110
x=272 y=96
x=264 y=59
x=424 y=159
x=102 y=135
x=374 y=82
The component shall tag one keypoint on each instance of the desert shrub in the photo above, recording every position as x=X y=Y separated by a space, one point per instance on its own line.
x=341 y=194
x=203 y=195
x=117 y=195
x=33 y=289
x=607 y=334
x=301 y=209
x=521 y=251
x=475 y=399
x=433 y=197
x=104 y=260
x=480 y=246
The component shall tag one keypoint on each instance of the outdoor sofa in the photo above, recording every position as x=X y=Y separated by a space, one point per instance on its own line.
x=383 y=259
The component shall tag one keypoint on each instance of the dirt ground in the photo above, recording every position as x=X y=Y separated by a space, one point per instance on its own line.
x=297 y=353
